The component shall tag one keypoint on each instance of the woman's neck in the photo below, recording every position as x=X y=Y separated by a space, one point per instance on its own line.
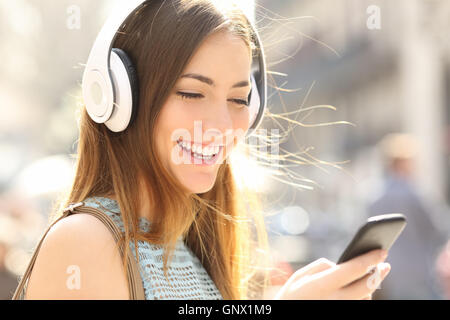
x=145 y=210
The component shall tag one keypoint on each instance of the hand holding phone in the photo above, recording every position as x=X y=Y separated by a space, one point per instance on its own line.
x=329 y=282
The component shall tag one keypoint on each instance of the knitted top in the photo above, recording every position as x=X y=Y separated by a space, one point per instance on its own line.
x=188 y=278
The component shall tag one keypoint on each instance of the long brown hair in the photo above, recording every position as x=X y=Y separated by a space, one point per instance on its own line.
x=221 y=226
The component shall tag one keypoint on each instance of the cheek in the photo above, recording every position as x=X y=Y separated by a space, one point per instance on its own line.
x=170 y=119
x=177 y=117
x=241 y=123
x=173 y=118
x=242 y=119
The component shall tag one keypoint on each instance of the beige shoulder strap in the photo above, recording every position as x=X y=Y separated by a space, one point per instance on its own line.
x=134 y=278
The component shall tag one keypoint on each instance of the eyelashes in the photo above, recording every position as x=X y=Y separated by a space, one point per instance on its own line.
x=187 y=95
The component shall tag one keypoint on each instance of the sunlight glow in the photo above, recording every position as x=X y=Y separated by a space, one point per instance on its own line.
x=248 y=175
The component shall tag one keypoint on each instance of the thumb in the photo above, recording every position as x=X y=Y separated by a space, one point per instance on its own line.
x=314 y=267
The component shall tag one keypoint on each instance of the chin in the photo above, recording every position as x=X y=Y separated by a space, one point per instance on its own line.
x=199 y=187
x=200 y=190
x=197 y=182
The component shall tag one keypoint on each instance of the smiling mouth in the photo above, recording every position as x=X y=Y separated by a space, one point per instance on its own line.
x=209 y=153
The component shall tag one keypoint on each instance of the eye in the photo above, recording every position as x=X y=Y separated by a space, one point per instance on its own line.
x=239 y=101
x=187 y=95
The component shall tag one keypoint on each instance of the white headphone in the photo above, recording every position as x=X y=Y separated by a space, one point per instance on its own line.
x=110 y=84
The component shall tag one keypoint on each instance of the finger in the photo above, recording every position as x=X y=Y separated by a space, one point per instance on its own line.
x=368 y=297
x=356 y=268
x=316 y=266
x=367 y=285
x=314 y=269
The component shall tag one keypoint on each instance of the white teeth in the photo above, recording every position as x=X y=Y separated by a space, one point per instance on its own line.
x=199 y=151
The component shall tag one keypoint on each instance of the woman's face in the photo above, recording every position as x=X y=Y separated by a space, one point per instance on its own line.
x=206 y=108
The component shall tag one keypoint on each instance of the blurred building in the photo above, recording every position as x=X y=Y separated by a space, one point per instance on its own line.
x=390 y=79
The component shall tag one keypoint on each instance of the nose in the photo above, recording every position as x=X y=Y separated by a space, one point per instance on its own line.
x=218 y=124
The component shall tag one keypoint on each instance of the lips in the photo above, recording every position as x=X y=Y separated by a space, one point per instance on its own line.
x=190 y=157
x=199 y=149
x=222 y=152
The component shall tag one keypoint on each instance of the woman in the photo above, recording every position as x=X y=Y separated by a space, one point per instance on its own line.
x=192 y=227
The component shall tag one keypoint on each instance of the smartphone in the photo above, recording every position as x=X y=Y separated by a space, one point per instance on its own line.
x=379 y=232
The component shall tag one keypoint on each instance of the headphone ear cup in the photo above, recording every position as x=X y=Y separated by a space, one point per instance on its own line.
x=126 y=91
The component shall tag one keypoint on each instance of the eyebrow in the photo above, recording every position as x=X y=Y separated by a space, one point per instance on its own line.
x=210 y=82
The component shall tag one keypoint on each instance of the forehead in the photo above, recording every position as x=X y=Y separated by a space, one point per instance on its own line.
x=221 y=52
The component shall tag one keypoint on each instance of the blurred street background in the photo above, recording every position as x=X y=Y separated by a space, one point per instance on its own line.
x=378 y=71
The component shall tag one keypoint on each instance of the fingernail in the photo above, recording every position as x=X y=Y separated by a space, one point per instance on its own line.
x=383 y=254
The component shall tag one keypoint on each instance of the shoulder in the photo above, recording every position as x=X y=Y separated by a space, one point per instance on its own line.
x=78 y=259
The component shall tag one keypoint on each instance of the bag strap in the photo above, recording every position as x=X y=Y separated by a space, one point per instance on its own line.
x=134 y=278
